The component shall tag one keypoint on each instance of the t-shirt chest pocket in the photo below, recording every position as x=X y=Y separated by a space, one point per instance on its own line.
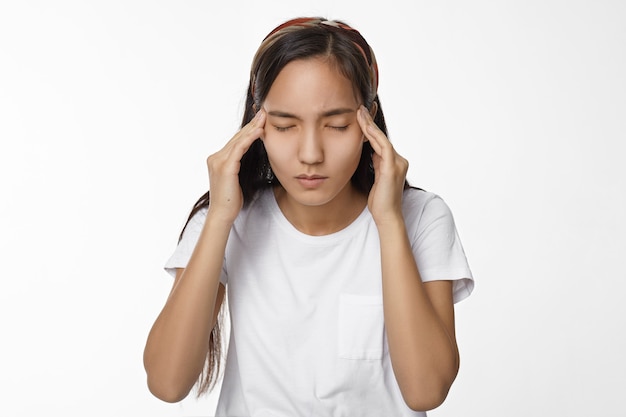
x=361 y=327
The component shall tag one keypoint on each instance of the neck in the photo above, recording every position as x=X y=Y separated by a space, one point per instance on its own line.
x=324 y=219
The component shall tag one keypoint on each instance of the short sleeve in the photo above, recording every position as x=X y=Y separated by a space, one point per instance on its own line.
x=437 y=248
x=187 y=244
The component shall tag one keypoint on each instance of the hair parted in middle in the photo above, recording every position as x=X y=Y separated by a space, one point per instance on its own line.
x=305 y=38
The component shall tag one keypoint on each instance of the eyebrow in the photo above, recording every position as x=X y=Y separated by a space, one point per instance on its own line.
x=329 y=113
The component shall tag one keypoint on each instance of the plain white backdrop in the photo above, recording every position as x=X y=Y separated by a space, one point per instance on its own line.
x=513 y=111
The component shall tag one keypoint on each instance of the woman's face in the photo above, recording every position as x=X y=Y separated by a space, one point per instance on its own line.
x=312 y=136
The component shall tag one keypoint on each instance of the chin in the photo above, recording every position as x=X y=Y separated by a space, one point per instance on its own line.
x=309 y=198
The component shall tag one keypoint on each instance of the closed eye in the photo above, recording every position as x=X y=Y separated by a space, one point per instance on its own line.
x=282 y=128
x=339 y=128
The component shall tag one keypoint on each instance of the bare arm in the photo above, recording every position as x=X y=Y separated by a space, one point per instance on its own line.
x=419 y=318
x=178 y=343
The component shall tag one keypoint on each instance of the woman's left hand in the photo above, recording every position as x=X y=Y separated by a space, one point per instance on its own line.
x=385 y=198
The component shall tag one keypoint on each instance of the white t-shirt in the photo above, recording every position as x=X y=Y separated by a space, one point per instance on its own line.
x=307 y=327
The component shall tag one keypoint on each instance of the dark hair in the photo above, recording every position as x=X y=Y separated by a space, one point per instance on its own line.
x=303 y=38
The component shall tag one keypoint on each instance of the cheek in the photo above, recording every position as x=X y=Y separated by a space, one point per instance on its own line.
x=277 y=150
x=345 y=150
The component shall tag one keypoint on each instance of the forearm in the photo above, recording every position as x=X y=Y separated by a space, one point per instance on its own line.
x=179 y=339
x=422 y=348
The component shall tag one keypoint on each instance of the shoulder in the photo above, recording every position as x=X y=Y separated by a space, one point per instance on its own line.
x=435 y=242
x=424 y=210
x=197 y=220
x=417 y=202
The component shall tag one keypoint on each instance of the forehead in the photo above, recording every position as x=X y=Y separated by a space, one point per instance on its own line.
x=311 y=85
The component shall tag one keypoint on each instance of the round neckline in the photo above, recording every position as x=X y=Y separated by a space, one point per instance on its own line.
x=286 y=225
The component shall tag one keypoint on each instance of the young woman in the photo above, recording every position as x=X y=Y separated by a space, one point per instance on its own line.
x=341 y=278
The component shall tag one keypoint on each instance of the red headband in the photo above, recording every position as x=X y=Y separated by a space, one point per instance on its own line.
x=354 y=35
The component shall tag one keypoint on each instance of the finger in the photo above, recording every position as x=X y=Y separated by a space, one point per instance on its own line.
x=230 y=155
x=373 y=134
x=242 y=141
x=376 y=162
x=254 y=127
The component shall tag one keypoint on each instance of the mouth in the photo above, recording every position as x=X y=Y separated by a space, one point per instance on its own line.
x=311 y=181
x=310 y=177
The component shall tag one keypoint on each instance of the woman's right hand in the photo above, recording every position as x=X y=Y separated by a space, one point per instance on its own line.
x=226 y=196
x=177 y=346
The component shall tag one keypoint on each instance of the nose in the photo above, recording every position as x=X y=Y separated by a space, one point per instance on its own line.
x=310 y=149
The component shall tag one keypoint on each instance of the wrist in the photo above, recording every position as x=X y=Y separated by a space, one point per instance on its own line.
x=218 y=221
x=390 y=223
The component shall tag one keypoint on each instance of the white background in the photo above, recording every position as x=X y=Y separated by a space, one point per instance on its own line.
x=513 y=111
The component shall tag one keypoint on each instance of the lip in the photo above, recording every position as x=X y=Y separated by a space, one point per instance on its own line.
x=311 y=181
